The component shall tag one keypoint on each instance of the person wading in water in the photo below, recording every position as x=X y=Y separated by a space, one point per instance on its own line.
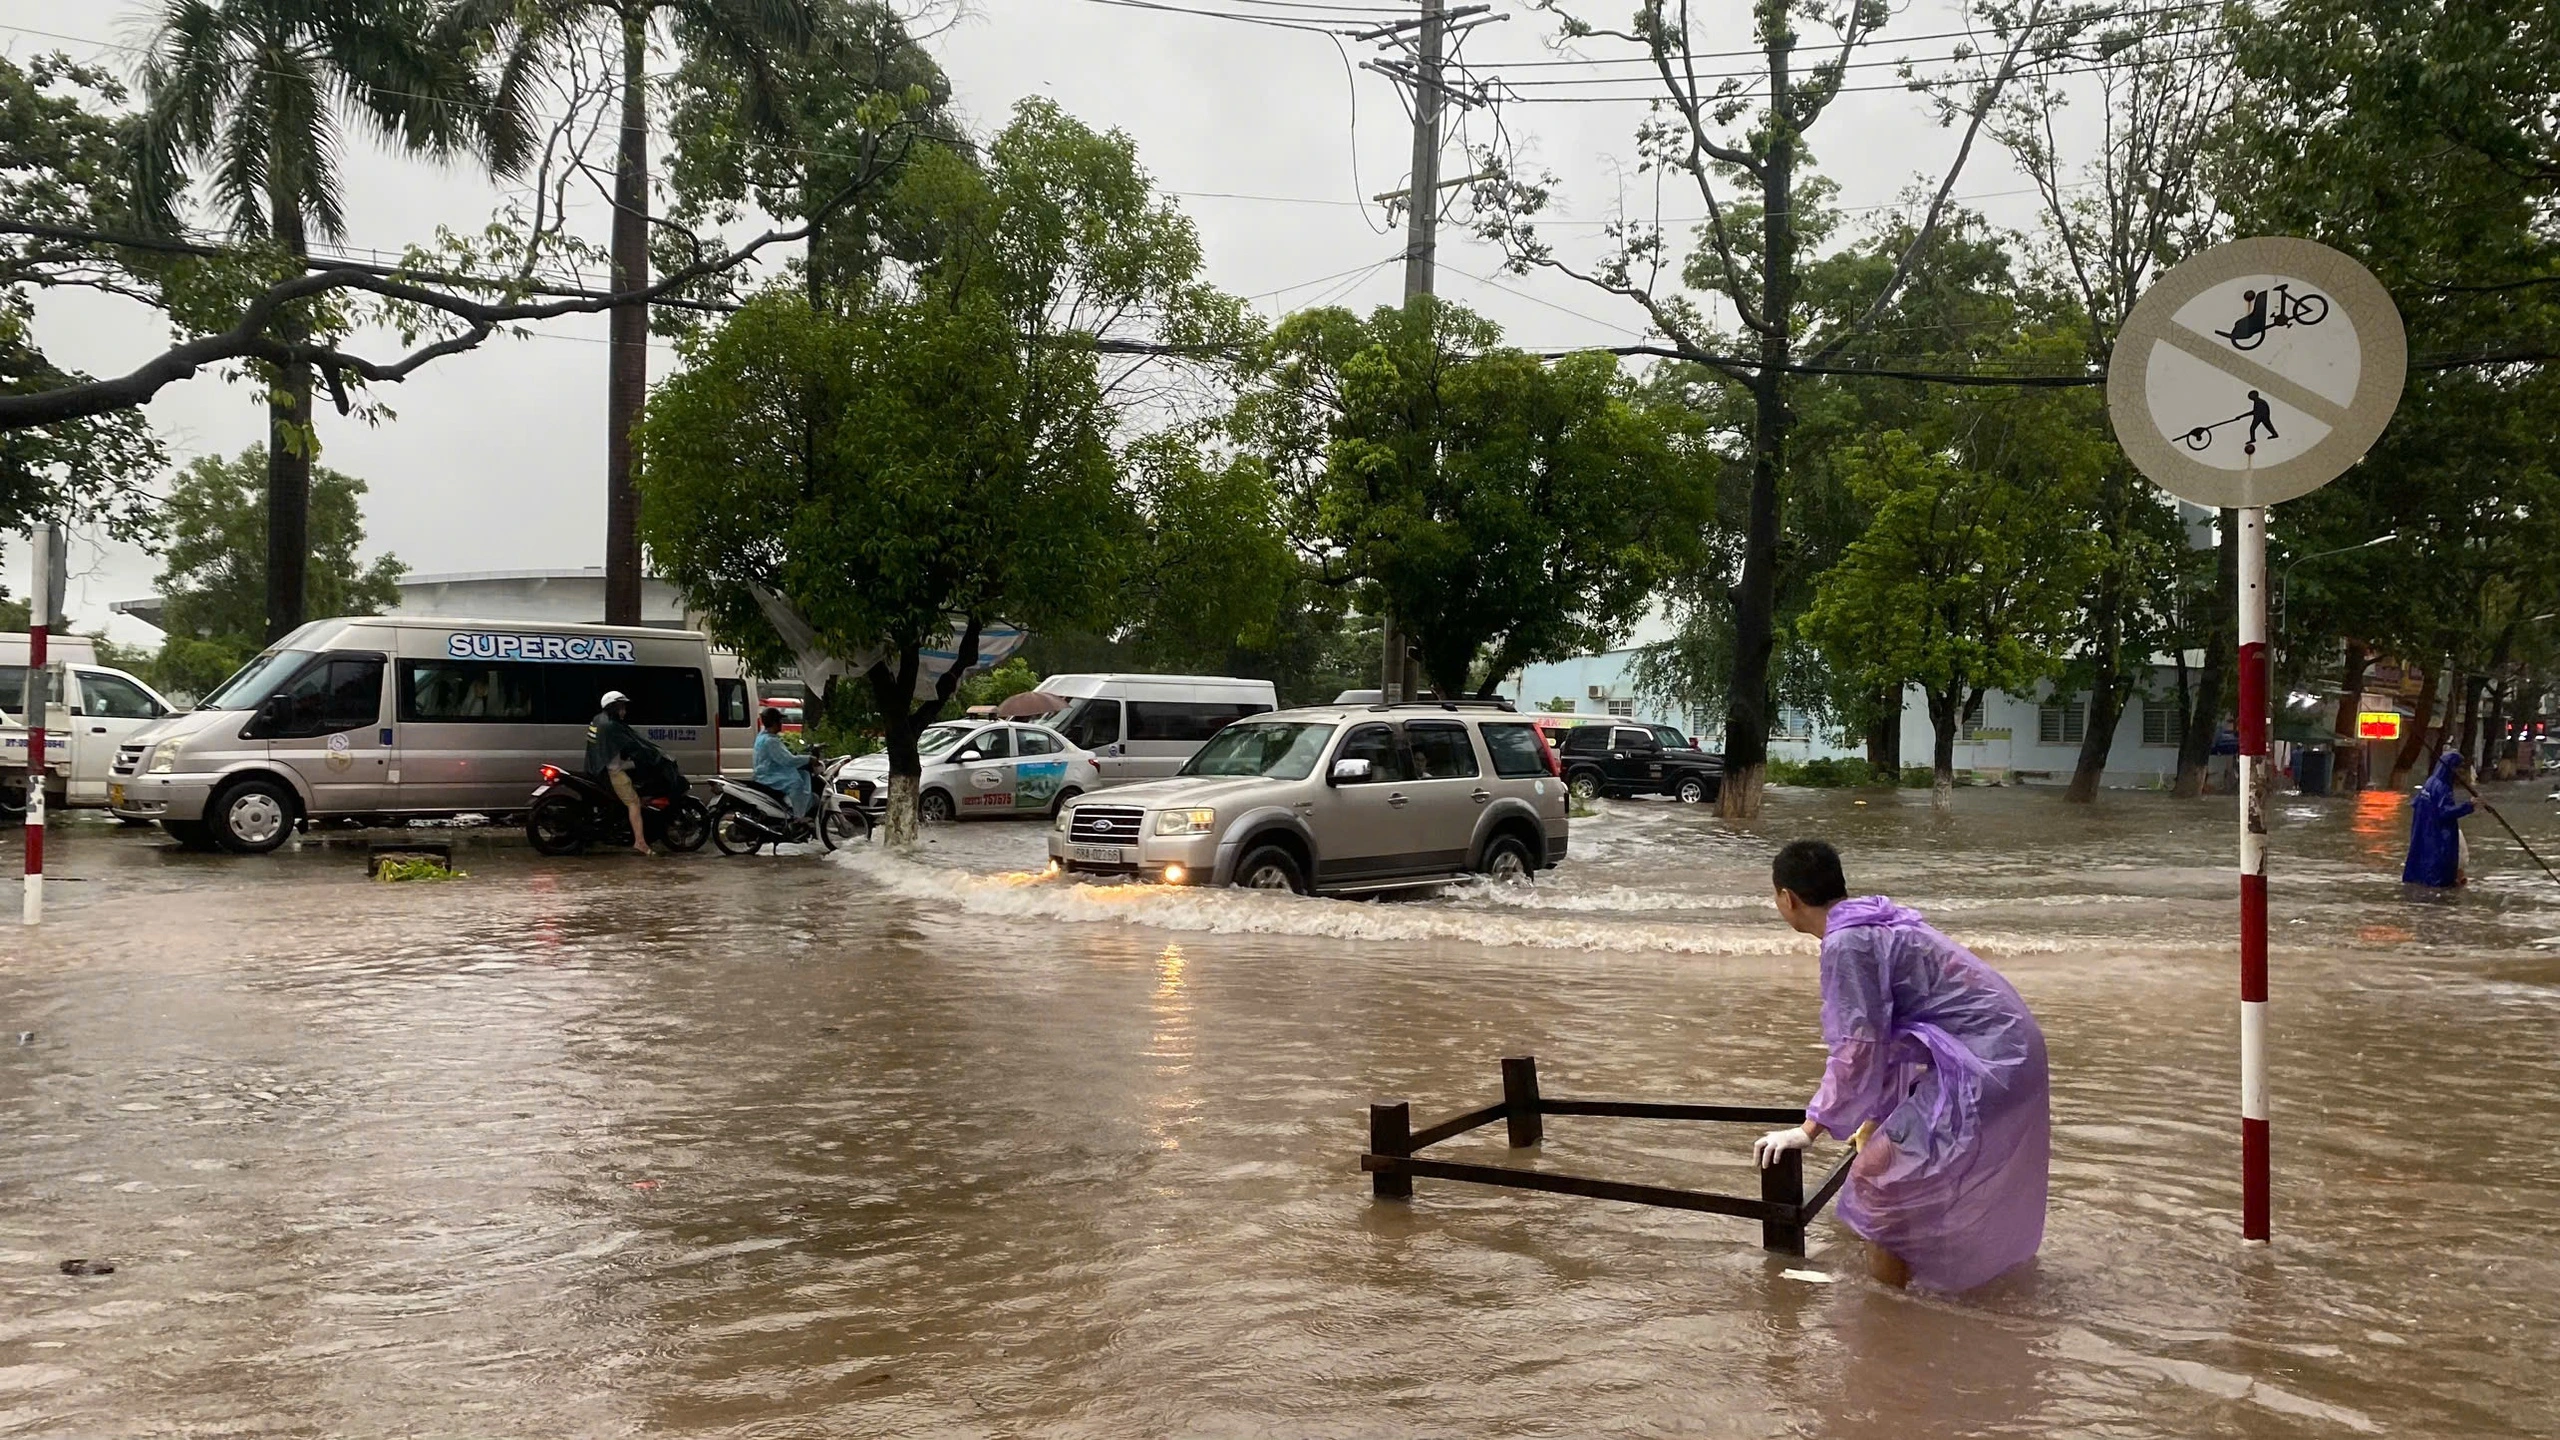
x=1937 y=1075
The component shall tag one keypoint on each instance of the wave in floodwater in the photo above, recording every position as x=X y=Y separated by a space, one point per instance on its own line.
x=1033 y=895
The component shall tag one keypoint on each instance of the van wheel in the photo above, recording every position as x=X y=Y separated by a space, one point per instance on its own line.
x=1693 y=790
x=1065 y=798
x=253 y=816
x=1506 y=862
x=1270 y=868
x=1585 y=785
x=190 y=834
x=936 y=807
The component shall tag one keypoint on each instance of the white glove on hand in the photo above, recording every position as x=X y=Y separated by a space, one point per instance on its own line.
x=1769 y=1147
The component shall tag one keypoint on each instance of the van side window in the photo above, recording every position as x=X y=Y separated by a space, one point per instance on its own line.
x=115 y=698
x=1441 y=750
x=1377 y=745
x=334 y=693
x=447 y=690
x=1091 y=723
x=1515 y=751
x=733 y=702
x=1183 y=720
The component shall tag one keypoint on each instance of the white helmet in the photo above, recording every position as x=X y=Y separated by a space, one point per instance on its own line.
x=613 y=698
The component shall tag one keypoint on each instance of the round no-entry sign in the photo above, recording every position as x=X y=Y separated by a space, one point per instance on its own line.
x=2256 y=371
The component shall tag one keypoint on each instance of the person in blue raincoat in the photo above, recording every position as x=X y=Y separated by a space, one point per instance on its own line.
x=2435 y=828
x=777 y=768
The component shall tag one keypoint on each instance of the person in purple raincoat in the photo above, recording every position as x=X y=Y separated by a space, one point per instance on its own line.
x=1937 y=1075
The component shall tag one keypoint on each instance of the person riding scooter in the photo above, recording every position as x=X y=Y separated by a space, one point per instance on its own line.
x=777 y=769
x=618 y=755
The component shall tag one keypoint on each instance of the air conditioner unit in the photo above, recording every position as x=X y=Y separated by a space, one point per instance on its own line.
x=1599 y=692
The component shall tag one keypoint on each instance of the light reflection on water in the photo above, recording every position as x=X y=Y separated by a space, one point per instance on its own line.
x=875 y=1148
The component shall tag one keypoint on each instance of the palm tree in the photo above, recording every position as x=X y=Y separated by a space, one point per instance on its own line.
x=521 y=34
x=254 y=98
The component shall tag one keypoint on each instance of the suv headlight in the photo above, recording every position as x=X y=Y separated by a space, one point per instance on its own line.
x=1185 y=822
x=164 y=758
x=1066 y=817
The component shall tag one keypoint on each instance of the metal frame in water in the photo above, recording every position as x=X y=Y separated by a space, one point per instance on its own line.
x=1782 y=1207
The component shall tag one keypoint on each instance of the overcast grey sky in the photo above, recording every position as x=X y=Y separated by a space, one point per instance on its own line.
x=495 y=459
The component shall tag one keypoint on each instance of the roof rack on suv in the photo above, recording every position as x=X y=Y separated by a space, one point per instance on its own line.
x=1463 y=702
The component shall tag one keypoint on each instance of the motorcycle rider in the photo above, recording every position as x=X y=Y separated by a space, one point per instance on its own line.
x=778 y=769
x=615 y=751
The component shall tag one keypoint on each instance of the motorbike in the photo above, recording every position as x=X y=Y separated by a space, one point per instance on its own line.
x=572 y=810
x=746 y=816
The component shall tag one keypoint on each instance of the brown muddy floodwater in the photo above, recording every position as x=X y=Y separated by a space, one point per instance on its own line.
x=709 y=1147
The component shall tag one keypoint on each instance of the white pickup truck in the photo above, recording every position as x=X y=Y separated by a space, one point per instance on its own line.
x=93 y=708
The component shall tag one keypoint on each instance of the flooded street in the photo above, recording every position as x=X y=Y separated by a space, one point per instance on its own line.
x=851 y=1147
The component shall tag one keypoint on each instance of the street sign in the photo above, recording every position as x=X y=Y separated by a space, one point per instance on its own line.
x=2251 y=374
x=2256 y=372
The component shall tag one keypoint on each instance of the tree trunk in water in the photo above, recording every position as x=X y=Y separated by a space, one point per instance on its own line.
x=2413 y=741
x=2467 y=738
x=627 y=355
x=1946 y=713
x=2493 y=734
x=2345 y=727
x=1884 y=736
x=2204 y=724
x=2106 y=627
x=291 y=444
x=898 y=822
x=1755 y=598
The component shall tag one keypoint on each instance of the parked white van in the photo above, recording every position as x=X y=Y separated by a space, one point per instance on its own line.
x=1142 y=727
x=385 y=716
x=91 y=711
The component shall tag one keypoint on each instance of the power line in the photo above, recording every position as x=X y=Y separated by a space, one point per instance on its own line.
x=1881 y=62
x=2137 y=13
x=1915 y=85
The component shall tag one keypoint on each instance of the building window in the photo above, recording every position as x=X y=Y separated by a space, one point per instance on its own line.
x=1619 y=707
x=1972 y=727
x=2062 y=723
x=2159 y=722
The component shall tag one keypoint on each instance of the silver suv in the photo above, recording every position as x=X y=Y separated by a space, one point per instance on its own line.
x=1334 y=800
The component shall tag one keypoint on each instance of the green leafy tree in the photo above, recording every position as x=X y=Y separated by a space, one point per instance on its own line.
x=256 y=99
x=1505 y=510
x=65 y=163
x=828 y=135
x=213 y=582
x=1968 y=578
x=749 y=37
x=906 y=460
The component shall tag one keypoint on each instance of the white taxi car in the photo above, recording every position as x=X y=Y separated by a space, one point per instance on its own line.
x=978 y=768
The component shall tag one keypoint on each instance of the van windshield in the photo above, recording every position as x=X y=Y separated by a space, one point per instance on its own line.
x=252 y=683
x=1277 y=751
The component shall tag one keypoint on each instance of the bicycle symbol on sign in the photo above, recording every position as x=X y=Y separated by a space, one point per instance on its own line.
x=2260 y=416
x=2250 y=330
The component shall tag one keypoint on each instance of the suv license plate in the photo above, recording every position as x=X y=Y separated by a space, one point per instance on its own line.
x=1101 y=854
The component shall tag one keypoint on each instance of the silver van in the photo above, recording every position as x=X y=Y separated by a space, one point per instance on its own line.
x=1143 y=727
x=1335 y=800
x=382 y=717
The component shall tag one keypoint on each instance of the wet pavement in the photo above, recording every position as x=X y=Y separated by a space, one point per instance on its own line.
x=792 y=1146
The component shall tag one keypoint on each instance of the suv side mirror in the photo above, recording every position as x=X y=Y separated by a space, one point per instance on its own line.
x=1344 y=770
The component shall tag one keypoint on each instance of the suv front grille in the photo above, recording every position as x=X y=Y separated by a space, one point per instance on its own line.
x=1105 y=824
x=129 y=758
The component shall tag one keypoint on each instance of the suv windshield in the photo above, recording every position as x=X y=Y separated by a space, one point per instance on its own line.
x=251 y=684
x=1281 y=751
x=941 y=737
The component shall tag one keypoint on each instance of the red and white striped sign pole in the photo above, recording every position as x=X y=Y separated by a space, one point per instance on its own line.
x=39 y=622
x=2251 y=374
x=2256 y=776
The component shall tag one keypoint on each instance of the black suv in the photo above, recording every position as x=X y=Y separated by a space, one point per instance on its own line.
x=1624 y=758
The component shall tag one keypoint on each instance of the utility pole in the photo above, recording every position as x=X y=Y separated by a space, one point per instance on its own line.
x=44 y=608
x=1428 y=36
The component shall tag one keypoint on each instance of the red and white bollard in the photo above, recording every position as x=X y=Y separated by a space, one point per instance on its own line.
x=39 y=624
x=2255 y=777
